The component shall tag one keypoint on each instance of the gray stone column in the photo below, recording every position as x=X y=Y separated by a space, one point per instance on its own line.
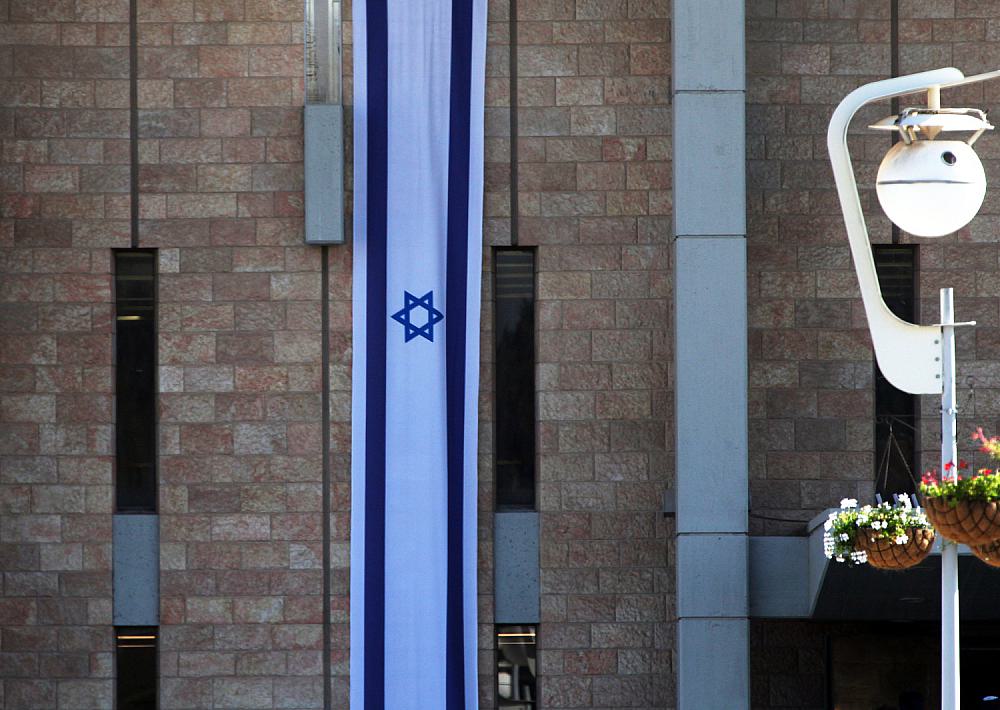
x=710 y=303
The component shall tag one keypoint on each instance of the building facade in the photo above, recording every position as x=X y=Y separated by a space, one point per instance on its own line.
x=173 y=129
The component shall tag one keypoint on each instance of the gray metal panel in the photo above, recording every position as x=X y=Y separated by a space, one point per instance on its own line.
x=711 y=390
x=779 y=577
x=708 y=45
x=709 y=164
x=713 y=673
x=515 y=556
x=136 y=555
x=324 y=173
x=712 y=575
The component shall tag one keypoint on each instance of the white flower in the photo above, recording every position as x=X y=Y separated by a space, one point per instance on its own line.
x=848 y=502
x=844 y=537
x=828 y=524
x=828 y=545
x=902 y=539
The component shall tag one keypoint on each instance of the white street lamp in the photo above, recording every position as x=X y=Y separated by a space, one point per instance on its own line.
x=928 y=187
x=931 y=188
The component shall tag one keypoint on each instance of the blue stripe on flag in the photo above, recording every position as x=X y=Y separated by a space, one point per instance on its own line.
x=457 y=296
x=376 y=211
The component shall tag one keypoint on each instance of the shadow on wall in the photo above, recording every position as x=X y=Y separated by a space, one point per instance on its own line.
x=891 y=670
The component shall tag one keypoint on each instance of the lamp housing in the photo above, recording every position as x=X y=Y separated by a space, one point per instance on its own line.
x=931 y=188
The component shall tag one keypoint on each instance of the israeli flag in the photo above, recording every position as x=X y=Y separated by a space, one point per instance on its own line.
x=419 y=68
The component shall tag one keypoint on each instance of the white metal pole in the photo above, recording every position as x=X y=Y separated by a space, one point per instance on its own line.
x=950 y=678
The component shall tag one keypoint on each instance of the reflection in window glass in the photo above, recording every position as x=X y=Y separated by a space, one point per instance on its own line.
x=515 y=379
x=135 y=380
x=135 y=661
x=516 y=667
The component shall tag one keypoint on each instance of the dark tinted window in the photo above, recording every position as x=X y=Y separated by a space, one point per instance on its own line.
x=135 y=666
x=895 y=410
x=516 y=668
x=515 y=378
x=135 y=380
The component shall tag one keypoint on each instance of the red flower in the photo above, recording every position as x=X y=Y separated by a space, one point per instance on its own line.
x=962 y=463
x=948 y=466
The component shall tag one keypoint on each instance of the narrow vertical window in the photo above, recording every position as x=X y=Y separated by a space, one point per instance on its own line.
x=135 y=380
x=516 y=670
x=135 y=667
x=515 y=378
x=895 y=410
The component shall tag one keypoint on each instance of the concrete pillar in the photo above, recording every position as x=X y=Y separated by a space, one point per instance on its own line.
x=711 y=354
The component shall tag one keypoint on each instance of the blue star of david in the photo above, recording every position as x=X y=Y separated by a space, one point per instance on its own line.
x=410 y=303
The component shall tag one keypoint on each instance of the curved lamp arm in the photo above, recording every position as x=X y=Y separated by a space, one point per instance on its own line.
x=909 y=355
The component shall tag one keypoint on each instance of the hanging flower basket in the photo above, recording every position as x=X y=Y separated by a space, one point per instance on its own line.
x=988 y=553
x=889 y=537
x=971 y=522
x=885 y=553
x=965 y=507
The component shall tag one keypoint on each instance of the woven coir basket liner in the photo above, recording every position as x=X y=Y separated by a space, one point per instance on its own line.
x=972 y=522
x=884 y=553
x=988 y=553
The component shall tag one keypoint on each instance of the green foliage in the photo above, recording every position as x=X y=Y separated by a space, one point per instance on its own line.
x=957 y=485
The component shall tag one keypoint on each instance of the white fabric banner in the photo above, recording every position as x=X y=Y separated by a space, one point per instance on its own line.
x=419 y=72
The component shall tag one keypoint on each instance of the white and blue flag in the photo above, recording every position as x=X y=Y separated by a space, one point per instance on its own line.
x=419 y=68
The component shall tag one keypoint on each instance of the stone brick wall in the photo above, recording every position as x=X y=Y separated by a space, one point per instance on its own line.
x=854 y=666
x=63 y=178
x=788 y=665
x=811 y=389
x=811 y=367
x=220 y=181
x=594 y=196
x=872 y=669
